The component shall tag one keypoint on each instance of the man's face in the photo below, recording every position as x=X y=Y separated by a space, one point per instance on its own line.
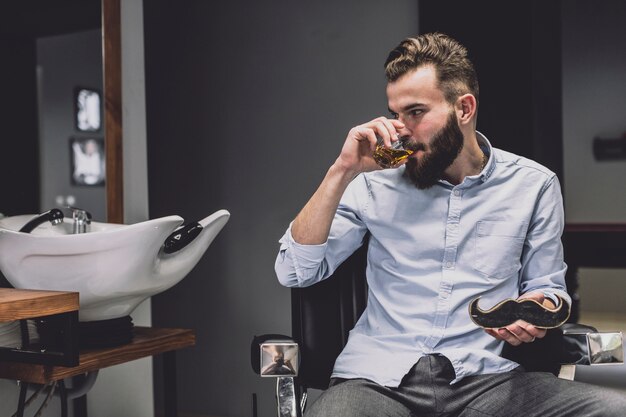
x=439 y=154
x=430 y=122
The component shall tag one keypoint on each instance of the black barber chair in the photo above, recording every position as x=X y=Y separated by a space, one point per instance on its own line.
x=323 y=314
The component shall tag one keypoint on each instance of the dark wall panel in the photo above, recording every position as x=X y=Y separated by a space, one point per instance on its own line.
x=516 y=49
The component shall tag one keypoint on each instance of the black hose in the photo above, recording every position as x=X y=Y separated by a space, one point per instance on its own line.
x=63 y=395
x=21 y=403
x=53 y=387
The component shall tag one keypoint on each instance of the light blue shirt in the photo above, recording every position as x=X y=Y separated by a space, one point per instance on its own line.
x=496 y=235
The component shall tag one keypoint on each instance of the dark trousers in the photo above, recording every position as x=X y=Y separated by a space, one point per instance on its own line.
x=426 y=391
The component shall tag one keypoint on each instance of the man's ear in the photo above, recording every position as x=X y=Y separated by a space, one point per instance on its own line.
x=466 y=107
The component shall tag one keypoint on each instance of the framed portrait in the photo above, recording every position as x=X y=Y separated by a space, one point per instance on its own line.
x=87 y=161
x=88 y=109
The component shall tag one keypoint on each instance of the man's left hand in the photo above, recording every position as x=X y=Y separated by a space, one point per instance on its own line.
x=521 y=331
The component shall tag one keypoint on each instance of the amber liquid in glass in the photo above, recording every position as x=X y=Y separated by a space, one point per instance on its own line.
x=390 y=157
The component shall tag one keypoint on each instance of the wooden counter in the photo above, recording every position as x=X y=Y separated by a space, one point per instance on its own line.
x=25 y=304
x=19 y=305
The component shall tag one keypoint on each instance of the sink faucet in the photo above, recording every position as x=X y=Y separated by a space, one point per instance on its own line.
x=54 y=216
x=82 y=220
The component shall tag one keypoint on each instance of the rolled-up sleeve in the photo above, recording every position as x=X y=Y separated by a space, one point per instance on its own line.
x=300 y=265
x=543 y=266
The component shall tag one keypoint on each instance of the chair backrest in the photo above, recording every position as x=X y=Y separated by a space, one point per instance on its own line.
x=324 y=314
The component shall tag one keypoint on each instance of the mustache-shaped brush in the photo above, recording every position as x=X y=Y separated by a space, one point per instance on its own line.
x=509 y=311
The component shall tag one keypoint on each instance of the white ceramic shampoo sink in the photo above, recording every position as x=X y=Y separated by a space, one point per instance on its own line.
x=114 y=267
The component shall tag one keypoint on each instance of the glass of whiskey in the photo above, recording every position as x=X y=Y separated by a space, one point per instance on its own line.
x=392 y=156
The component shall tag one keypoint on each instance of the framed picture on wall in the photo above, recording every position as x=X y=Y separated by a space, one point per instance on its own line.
x=88 y=109
x=87 y=161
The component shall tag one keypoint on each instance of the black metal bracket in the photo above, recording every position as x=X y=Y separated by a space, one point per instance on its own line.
x=63 y=352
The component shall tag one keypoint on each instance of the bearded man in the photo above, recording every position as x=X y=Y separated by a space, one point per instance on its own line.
x=456 y=220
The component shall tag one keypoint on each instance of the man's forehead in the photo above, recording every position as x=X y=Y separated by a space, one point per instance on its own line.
x=418 y=86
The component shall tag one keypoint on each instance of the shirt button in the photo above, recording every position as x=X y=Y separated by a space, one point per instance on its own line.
x=448 y=264
x=457 y=193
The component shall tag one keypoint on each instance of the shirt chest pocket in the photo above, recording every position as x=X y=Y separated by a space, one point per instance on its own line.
x=498 y=247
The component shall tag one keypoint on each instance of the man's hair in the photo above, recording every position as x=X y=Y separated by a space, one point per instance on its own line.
x=455 y=73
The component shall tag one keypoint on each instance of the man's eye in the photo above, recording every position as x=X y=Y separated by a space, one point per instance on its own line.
x=394 y=116
x=416 y=112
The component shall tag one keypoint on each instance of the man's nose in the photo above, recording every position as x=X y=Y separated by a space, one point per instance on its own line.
x=405 y=131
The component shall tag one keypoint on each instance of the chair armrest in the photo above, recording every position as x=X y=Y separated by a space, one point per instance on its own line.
x=275 y=355
x=584 y=345
x=569 y=344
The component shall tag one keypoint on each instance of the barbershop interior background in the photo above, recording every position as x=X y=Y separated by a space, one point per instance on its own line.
x=244 y=105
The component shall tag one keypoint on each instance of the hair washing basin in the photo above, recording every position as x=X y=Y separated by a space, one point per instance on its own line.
x=114 y=267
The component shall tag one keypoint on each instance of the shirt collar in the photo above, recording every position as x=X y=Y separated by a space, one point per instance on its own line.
x=486 y=147
x=487 y=170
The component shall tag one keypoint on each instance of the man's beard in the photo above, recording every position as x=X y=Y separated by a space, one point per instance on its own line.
x=444 y=148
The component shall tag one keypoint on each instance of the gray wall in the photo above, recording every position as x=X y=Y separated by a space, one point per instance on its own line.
x=248 y=104
x=594 y=99
x=66 y=62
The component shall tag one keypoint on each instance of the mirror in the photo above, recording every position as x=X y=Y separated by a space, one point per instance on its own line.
x=38 y=129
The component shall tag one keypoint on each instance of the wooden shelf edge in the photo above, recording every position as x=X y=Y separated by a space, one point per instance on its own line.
x=595 y=227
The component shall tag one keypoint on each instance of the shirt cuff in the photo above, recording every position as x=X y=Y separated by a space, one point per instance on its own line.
x=552 y=297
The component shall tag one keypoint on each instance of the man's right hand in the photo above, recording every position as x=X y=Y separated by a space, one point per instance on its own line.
x=356 y=154
x=312 y=225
